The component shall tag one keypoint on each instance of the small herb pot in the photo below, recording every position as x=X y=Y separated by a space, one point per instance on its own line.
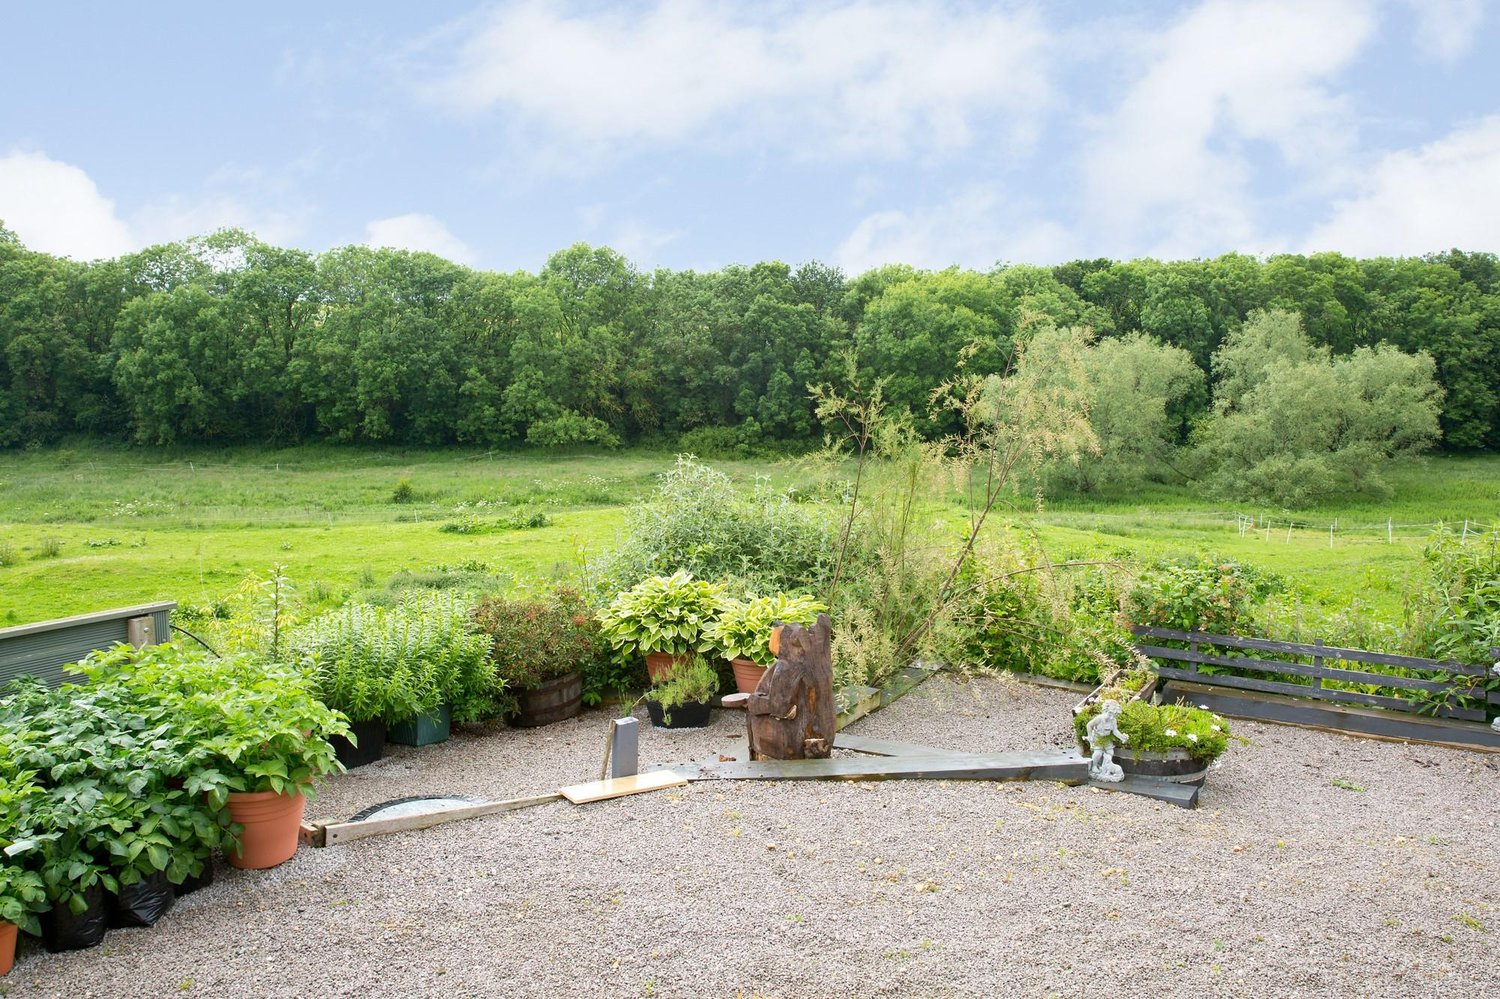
x=747 y=674
x=271 y=822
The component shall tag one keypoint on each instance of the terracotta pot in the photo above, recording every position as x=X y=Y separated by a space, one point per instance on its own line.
x=7 y=947
x=747 y=674
x=659 y=664
x=272 y=822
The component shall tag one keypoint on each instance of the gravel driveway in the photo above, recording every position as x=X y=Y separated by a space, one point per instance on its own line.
x=1281 y=884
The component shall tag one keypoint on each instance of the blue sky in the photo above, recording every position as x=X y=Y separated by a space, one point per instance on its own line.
x=689 y=134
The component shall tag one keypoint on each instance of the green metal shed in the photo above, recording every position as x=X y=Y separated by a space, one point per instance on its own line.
x=44 y=648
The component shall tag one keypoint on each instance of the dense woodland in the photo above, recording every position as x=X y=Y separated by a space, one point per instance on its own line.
x=228 y=339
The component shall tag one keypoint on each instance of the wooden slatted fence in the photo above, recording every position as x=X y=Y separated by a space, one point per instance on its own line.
x=1421 y=676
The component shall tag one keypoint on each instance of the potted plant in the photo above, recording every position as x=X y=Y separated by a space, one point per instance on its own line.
x=540 y=649
x=685 y=695
x=22 y=891
x=252 y=736
x=1174 y=742
x=661 y=618
x=362 y=663
x=397 y=672
x=741 y=632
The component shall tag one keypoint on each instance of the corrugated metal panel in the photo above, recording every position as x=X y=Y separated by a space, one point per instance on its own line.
x=43 y=652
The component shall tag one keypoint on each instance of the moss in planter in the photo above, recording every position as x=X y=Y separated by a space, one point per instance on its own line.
x=1159 y=728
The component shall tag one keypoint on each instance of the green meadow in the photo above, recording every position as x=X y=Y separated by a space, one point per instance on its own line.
x=92 y=528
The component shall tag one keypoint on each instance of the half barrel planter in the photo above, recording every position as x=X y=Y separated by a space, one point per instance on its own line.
x=554 y=700
x=1174 y=765
x=423 y=730
x=271 y=822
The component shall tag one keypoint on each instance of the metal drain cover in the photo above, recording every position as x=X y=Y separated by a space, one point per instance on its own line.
x=419 y=805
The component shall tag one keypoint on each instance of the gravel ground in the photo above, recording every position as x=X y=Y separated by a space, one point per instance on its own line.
x=1281 y=884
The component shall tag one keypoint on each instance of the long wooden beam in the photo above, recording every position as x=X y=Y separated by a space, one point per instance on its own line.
x=334 y=833
x=1067 y=767
x=886 y=747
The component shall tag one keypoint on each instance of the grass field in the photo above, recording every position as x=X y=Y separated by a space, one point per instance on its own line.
x=93 y=528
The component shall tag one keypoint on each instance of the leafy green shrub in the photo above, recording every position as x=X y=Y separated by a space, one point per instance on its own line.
x=661 y=614
x=569 y=427
x=1203 y=594
x=1159 y=728
x=699 y=522
x=399 y=662
x=8 y=554
x=533 y=641
x=48 y=547
x=1459 y=609
x=23 y=894
x=404 y=491
x=741 y=629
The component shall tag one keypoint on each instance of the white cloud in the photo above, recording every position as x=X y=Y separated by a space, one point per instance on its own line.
x=1446 y=28
x=976 y=228
x=1445 y=194
x=1169 y=172
x=859 y=78
x=418 y=231
x=56 y=207
x=178 y=217
x=639 y=242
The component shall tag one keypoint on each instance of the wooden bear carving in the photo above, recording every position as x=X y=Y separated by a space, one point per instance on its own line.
x=791 y=713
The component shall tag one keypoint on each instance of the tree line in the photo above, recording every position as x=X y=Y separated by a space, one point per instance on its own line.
x=225 y=338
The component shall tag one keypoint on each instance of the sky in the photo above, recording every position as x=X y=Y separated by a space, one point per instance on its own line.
x=689 y=134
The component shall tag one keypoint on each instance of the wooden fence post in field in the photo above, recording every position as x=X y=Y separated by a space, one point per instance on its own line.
x=1389 y=536
x=1289 y=532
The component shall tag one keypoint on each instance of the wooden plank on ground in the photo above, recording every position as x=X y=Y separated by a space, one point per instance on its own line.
x=1181 y=795
x=1388 y=725
x=884 y=747
x=619 y=787
x=334 y=833
x=1067 y=767
x=861 y=700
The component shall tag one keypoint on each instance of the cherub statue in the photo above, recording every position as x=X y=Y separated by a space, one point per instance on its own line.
x=1495 y=671
x=1102 y=731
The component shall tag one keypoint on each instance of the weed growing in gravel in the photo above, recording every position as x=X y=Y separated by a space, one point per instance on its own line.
x=1347 y=785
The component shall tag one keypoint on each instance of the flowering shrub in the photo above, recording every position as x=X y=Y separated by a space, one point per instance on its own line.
x=533 y=641
x=1205 y=594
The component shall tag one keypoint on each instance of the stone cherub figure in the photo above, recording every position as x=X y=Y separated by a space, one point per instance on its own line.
x=1495 y=671
x=1102 y=731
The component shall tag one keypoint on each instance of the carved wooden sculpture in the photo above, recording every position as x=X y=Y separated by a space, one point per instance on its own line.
x=791 y=713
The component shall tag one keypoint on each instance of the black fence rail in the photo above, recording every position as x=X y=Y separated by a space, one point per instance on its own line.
x=1445 y=692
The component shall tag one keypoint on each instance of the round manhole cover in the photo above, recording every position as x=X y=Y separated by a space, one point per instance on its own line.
x=419 y=805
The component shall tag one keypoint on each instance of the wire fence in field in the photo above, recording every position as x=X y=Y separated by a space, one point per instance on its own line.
x=1270 y=528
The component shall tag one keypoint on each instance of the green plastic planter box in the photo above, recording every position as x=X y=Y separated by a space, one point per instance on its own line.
x=423 y=730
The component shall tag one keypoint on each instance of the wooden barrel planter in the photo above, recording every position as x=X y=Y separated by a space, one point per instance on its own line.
x=555 y=700
x=1174 y=765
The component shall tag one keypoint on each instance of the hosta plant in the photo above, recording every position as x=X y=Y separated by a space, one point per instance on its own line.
x=741 y=629
x=661 y=614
